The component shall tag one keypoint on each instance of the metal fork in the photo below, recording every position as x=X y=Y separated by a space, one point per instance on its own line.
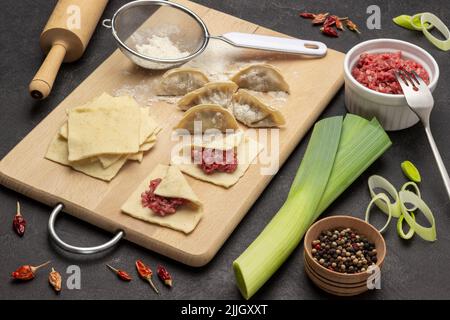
x=421 y=102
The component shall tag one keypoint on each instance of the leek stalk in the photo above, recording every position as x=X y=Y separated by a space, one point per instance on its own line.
x=338 y=152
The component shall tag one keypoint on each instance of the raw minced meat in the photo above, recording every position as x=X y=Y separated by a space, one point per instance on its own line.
x=376 y=71
x=158 y=204
x=211 y=160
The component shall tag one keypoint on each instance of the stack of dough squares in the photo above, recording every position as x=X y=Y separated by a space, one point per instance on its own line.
x=100 y=136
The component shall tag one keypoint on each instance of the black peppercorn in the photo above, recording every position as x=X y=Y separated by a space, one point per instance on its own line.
x=344 y=251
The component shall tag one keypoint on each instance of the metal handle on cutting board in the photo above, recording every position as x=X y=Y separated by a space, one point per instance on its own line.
x=81 y=250
x=278 y=44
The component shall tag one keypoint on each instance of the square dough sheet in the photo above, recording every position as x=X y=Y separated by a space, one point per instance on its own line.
x=109 y=127
x=58 y=151
x=147 y=139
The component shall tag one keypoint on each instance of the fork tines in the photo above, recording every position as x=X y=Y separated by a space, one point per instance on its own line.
x=408 y=78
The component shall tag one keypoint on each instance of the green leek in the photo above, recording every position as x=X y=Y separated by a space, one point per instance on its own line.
x=338 y=152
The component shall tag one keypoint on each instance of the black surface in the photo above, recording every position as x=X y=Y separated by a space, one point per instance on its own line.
x=414 y=269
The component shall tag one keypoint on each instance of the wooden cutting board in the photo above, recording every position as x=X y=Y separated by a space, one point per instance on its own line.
x=313 y=83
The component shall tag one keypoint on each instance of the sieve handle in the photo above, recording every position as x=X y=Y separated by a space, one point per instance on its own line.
x=277 y=44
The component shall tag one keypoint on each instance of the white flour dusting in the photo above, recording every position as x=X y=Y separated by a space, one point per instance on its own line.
x=219 y=62
x=273 y=98
x=160 y=48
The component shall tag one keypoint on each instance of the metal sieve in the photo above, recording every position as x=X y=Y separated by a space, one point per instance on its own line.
x=161 y=35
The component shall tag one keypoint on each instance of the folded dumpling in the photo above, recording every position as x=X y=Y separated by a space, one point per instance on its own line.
x=261 y=77
x=170 y=184
x=179 y=81
x=207 y=116
x=219 y=93
x=252 y=112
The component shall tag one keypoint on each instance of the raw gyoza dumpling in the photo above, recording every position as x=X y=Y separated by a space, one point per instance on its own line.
x=252 y=112
x=261 y=77
x=211 y=116
x=211 y=93
x=179 y=81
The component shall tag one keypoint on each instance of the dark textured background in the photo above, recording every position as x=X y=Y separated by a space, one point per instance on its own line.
x=413 y=269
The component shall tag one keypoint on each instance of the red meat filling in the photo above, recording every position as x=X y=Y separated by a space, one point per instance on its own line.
x=376 y=71
x=159 y=205
x=211 y=160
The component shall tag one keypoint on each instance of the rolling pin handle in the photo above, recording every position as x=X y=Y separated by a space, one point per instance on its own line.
x=42 y=83
x=81 y=250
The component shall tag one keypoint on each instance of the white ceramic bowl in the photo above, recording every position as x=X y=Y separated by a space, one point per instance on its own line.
x=390 y=109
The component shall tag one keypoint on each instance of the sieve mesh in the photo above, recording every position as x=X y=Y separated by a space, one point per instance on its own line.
x=159 y=35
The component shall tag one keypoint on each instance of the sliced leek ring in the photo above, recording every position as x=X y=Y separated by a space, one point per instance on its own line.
x=414 y=186
x=416 y=23
x=400 y=231
x=439 y=25
x=376 y=199
x=428 y=234
x=379 y=182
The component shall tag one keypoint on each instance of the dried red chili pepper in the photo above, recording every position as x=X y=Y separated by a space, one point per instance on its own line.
x=320 y=18
x=55 y=280
x=352 y=26
x=19 y=222
x=145 y=273
x=329 y=31
x=120 y=273
x=27 y=272
x=307 y=15
x=329 y=21
x=165 y=276
x=339 y=24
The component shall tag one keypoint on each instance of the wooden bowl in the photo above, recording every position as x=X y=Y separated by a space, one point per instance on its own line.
x=332 y=288
x=342 y=284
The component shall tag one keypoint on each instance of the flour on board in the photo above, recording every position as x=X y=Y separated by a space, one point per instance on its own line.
x=219 y=62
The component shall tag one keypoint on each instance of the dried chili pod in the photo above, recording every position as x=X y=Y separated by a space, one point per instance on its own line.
x=320 y=18
x=352 y=26
x=123 y=275
x=307 y=15
x=339 y=24
x=19 y=222
x=329 y=21
x=165 y=276
x=55 y=280
x=329 y=31
x=27 y=272
x=146 y=273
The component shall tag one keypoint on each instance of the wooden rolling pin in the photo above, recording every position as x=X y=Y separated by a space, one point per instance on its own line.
x=64 y=38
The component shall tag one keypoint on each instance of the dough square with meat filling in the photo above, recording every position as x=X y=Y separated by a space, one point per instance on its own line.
x=247 y=151
x=173 y=184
